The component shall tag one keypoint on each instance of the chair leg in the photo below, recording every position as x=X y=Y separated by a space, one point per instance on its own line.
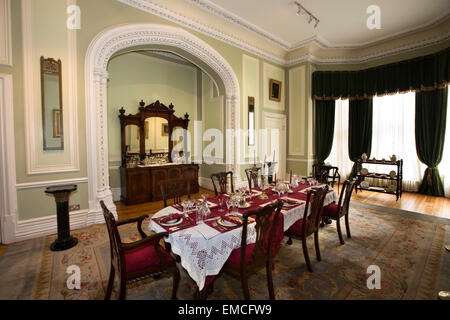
x=270 y=281
x=289 y=242
x=176 y=282
x=347 y=226
x=305 y=253
x=122 y=290
x=244 y=282
x=316 y=244
x=112 y=273
x=338 y=225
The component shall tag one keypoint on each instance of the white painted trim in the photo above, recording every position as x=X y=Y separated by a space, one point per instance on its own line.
x=269 y=104
x=33 y=141
x=8 y=194
x=182 y=20
x=51 y=183
x=101 y=49
x=283 y=136
x=300 y=160
x=291 y=108
x=5 y=29
x=116 y=193
x=248 y=154
x=40 y=227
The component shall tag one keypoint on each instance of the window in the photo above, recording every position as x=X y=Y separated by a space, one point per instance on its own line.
x=444 y=167
x=393 y=133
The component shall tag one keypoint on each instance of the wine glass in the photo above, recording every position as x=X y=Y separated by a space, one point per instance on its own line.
x=229 y=204
x=220 y=199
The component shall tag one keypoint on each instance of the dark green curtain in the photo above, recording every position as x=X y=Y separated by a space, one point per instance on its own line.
x=360 y=120
x=419 y=74
x=431 y=116
x=324 y=129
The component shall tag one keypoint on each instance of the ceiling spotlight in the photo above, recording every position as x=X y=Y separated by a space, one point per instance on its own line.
x=301 y=9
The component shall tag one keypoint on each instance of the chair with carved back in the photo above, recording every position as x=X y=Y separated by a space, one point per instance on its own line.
x=174 y=189
x=252 y=176
x=222 y=180
x=341 y=209
x=327 y=174
x=139 y=260
x=250 y=258
x=309 y=224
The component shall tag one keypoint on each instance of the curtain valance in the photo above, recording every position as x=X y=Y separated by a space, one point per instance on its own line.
x=420 y=74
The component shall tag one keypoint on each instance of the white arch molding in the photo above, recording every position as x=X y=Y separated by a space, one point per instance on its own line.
x=100 y=51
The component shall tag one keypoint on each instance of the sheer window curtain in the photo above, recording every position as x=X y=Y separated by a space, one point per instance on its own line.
x=339 y=152
x=444 y=166
x=393 y=133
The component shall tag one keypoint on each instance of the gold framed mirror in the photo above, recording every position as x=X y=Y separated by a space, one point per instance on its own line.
x=52 y=104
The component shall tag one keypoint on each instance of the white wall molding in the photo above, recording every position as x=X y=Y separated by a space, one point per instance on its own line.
x=8 y=194
x=5 y=33
x=40 y=227
x=182 y=20
x=33 y=141
x=302 y=106
x=116 y=192
x=101 y=49
x=50 y=183
x=283 y=135
x=321 y=43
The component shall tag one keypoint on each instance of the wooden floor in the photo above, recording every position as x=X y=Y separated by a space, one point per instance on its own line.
x=435 y=206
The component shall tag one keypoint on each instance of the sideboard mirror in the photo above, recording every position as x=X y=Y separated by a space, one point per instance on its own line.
x=52 y=106
x=150 y=129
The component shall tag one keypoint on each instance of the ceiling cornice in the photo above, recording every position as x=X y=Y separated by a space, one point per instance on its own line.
x=290 y=59
x=177 y=18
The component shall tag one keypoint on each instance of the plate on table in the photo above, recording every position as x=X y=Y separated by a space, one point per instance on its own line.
x=245 y=206
x=289 y=205
x=226 y=223
x=290 y=191
x=172 y=222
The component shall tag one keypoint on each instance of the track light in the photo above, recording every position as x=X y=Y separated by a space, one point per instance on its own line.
x=301 y=9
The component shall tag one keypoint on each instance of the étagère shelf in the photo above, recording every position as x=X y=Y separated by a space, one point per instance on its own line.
x=397 y=180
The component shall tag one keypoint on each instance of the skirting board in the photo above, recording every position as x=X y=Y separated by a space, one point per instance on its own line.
x=39 y=227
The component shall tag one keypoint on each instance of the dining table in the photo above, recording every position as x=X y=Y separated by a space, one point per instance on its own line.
x=204 y=247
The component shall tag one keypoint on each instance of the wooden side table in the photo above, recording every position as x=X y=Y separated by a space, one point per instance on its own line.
x=64 y=241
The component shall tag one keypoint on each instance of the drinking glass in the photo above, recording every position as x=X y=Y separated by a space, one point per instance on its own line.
x=220 y=199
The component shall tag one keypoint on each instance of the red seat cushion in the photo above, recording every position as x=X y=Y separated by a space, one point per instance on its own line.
x=297 y=227
x=235 y=256
x=331 y=210
x=143 y=257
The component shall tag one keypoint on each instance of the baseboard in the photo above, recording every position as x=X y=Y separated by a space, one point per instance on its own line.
x=40 y=227
x=116 y=192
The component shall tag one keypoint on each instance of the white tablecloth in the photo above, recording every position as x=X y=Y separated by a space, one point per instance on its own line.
x=203 y=256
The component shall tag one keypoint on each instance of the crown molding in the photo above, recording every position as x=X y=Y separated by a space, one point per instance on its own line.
x=321 y=43
x=184 y=21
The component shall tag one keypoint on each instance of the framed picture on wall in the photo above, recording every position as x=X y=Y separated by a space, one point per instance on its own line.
x=164 y=129
x=275 y=90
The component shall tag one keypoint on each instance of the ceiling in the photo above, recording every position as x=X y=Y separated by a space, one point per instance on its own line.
x=343 y=23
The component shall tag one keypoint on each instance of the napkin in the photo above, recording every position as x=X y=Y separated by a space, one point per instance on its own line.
x=171 y=217
x=206 y=231
x=232 y=220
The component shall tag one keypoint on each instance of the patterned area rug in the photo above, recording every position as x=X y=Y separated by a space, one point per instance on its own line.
x=408 y=249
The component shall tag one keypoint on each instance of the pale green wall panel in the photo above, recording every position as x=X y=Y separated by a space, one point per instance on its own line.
x=35 y=203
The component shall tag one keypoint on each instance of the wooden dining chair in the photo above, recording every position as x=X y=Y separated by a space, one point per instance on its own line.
x=175 y=189
x=138 y=260
x=250 y=258
x=309 y=224
x=222 y=180
x=341 y=209
x=252 y=176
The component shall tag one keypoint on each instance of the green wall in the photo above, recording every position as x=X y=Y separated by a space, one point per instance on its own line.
x=49 y=39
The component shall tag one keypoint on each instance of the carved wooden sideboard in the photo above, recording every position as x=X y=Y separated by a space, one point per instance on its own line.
x=141 y=182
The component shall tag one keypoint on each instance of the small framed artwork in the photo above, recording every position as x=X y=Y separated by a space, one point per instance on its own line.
x=164 y=129
x=56 y=123
x=275 y=90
